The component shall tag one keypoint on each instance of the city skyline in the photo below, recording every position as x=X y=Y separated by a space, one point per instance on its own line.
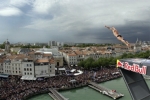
x=73 y=21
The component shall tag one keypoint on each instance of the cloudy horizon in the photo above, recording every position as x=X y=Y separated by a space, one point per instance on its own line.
x=73 y=20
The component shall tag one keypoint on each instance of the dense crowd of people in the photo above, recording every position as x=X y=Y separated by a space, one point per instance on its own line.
x=14 y=88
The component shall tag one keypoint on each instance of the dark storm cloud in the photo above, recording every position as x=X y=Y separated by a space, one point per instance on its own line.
x=135 y=29
x=74 y=20
x=130 y=31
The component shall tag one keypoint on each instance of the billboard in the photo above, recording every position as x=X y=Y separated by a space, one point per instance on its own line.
x=132 y=70
x=141 y=69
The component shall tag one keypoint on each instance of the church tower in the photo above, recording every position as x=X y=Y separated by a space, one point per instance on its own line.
x=7 y=46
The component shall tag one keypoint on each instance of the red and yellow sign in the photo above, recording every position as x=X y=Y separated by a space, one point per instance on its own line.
x=134 y=67
x=119 y=63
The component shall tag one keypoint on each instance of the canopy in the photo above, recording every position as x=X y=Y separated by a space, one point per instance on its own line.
x=26 y=77
x=72 y=80
x=4 y=75
x=73 y=70
x=138 y=65
x=60 y=69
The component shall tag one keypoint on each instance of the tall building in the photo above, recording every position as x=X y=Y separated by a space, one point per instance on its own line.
x=52 y=43
x=60 y=44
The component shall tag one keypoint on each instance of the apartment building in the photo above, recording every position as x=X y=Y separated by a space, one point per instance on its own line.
x=28 y=67
x=16 y=66
x=73 y=57
x=7 y=66
x=44 y=68
x=1 y=66
x=53 y=52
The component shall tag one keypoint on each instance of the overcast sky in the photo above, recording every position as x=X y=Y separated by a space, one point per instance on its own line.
x=74 y=20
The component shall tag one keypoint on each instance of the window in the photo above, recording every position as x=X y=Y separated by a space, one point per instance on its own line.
x=27 y=64
x=57 y=63
x=50 y=70
x=27 y=69
x=30 y=73
x=16 y=72
x=25 y=73
x=24 y=69
x=30 y=64
x=30 y=69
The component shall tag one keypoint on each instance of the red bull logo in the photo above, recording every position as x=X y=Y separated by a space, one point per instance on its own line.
x=135 y=67
x=119 y=63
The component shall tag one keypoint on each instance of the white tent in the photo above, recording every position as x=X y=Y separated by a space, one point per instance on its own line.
x=28 y=77
x=60 y=69
x=72 y=81
x=79 y=72
x=73 y=70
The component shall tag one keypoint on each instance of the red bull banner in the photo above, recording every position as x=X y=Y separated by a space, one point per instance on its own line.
x=134 y=67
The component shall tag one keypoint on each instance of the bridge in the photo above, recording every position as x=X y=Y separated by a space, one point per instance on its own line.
x=56 y=95
x=111 y=93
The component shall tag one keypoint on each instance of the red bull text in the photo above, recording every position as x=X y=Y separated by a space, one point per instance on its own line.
x=135 y=67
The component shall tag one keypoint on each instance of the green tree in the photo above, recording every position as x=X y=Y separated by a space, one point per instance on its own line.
x=91 y=63
x=81 y=63
x=2 y=46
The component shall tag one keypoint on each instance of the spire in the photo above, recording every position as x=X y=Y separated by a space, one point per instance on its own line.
x=137 y=41
x=7 y=46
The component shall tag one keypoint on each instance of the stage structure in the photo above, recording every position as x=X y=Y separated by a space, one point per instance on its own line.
x=133 y=70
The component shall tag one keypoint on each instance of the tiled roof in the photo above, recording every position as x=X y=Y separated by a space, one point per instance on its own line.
x=78 y=52
x=2 y=60
x=51 y=61
x=11 y=57
x=42 y=61
x=18 y=57
x=30 y=53
x=46 y=55
x=85 y=52
x=38 y=53
x=72 y=54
